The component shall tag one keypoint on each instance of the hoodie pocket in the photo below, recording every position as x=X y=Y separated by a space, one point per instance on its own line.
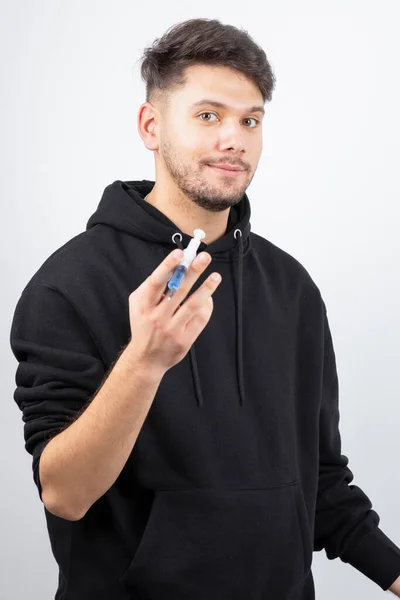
x=222 y=544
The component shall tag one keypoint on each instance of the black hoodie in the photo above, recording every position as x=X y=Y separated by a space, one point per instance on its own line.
x=237 y=475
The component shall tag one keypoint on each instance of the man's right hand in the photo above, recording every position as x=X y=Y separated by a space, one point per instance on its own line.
x=163 y=329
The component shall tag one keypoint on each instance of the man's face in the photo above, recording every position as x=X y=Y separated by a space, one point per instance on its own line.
x=193 y=137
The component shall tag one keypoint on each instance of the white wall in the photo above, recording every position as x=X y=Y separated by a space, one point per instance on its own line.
x=326 y=190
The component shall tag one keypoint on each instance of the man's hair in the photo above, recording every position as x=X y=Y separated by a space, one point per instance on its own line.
x=202 y=41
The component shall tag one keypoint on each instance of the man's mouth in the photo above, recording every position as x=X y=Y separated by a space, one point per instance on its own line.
x=227 y=170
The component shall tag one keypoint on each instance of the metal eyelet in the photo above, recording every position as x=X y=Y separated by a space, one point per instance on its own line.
x=177 y=233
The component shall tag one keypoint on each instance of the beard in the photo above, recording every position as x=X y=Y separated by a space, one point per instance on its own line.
x=213 y=197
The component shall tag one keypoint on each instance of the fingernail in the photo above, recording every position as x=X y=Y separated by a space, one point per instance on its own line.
x=177 y=253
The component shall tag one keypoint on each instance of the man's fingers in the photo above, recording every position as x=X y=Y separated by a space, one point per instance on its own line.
x=158 y=279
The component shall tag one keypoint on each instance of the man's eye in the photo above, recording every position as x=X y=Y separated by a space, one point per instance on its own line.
x=206 y=113
x=252 y=118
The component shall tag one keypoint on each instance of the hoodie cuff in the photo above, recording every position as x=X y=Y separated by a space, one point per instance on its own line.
x=377 y=557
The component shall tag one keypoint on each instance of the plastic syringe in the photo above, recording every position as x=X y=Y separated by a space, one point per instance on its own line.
x=189 y=256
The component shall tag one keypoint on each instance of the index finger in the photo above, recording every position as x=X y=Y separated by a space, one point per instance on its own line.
x=158 y=279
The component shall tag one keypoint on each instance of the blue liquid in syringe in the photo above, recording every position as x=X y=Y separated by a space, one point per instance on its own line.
x=177 y=277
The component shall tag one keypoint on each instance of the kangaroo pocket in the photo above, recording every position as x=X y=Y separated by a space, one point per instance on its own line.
x=222 y=544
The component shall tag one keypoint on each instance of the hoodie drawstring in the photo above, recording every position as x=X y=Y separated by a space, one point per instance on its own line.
x=239 y=329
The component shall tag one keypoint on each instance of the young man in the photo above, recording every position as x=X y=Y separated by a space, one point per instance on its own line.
x=188 y=448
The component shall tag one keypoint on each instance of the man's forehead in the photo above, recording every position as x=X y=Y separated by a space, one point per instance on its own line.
x=209 y=75
x=222 y=88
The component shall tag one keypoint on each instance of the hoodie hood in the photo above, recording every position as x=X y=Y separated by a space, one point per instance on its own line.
x=123 y=207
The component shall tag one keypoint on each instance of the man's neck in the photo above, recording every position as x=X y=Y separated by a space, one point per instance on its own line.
x=189 y=217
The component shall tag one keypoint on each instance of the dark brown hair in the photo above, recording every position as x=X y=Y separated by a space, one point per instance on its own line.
x=202 y=41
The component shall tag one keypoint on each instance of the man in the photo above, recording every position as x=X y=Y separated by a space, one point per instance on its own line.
x=189 y=447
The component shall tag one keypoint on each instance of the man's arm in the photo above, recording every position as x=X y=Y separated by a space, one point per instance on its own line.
x=82 y=462
x=346 y=525
x=395 y=588
x=79 y=425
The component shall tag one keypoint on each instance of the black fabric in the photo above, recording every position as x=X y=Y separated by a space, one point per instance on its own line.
x=237 y=474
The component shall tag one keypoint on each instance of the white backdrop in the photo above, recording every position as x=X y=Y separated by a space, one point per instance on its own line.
x=326 y=190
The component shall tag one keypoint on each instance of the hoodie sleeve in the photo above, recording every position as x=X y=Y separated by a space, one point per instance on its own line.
x=345 y=523
x=59 y=367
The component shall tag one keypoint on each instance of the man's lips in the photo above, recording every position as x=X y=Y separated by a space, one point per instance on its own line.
x=227 y=170
x=227 y=167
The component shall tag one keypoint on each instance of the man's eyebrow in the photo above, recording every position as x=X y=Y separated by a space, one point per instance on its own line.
x=225 y=106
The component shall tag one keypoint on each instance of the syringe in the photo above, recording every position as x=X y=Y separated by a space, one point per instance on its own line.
x=189 y=256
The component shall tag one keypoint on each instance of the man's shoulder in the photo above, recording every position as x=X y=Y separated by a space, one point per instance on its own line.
x=71 y=261
x=275 y=257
